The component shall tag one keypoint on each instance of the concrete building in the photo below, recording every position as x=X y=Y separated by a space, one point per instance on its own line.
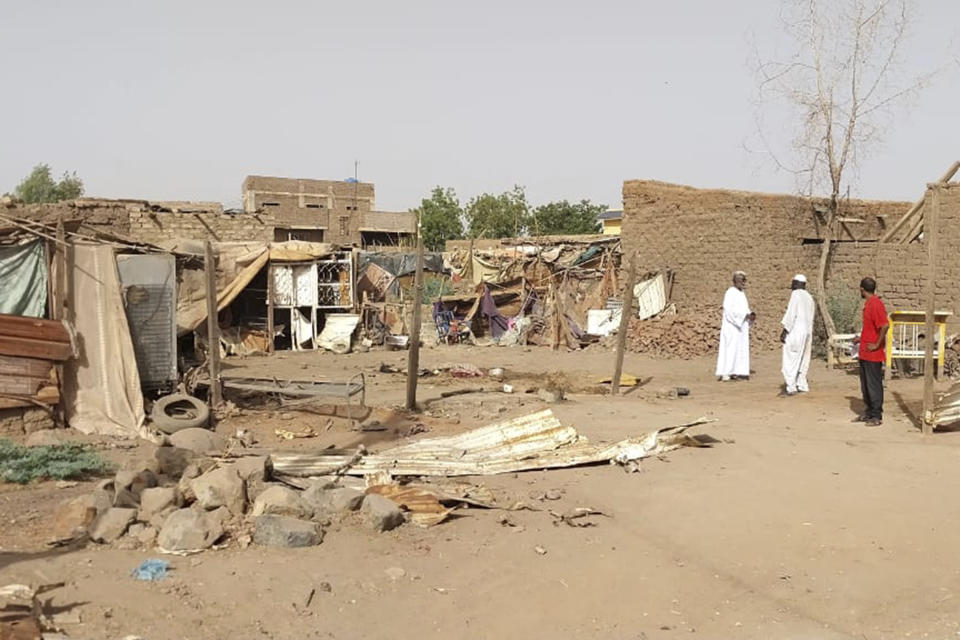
x=339 y=212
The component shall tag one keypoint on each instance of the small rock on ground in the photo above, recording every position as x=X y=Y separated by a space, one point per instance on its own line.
x=197 y=440
x=281 y=531
x=112 y=524
x=189 y=529
x=281 y=501
x=381 y=514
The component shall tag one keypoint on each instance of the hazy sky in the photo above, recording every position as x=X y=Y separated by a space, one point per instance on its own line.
x=181 y=100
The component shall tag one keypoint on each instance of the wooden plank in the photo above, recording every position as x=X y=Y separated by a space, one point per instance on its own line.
x=47 y=395
x=30 y=367
x=33 y=328
x=917 y=206
x=270 y=327
x=213 y=328
x=932 y=233
x=625 y=314
x=29 y=348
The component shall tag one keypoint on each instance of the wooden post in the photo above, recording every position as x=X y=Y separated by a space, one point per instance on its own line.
x=413 y=355
x=270 y=327
x=932 y=216
x=213 y=328
x=60 y=272
x=917 y=206
x=624 y=323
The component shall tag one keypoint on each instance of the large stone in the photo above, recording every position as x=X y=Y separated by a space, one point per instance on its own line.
x=73 y=517
x=190 y=529
x=280 y=531
x=135 y=480
x=199 y=441
x=193 y=470
x=252 y=468
x=280 y=501
x=332 y=502
x=44 y=438
x=112 y=524
x=381 y=514
x=156 y=500
x=173 y=460
x=222 y=487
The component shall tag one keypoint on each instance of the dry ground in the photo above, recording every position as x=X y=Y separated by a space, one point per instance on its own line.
x=798 y=524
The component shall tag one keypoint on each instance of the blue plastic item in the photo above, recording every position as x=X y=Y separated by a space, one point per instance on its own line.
x=151 y=570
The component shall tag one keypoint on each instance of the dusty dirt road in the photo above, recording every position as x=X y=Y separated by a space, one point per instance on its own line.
x=798 y=524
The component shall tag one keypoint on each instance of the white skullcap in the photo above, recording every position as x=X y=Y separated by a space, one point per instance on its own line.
x=800 y=277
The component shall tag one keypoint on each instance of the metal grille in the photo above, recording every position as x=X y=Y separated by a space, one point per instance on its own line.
x=149 y=284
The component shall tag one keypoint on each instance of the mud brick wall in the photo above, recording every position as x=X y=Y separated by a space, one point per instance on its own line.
x=706 y=235
x=152 y=226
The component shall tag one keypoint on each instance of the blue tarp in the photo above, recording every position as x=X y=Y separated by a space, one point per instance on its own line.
x=23 y=279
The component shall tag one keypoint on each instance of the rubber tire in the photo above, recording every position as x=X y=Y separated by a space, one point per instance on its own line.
x=167 y=422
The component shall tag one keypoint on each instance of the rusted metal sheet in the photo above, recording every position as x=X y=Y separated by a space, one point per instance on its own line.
x=34 y=338
x=531 y=442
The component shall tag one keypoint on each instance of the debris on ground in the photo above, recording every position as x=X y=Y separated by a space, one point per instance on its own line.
x=21 y=611
x=465 y=370
x=576 y=517
x=284 y=434
x=151 y=570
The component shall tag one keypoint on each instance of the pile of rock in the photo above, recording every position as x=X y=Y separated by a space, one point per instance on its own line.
x=683 y=336
x=183 y=500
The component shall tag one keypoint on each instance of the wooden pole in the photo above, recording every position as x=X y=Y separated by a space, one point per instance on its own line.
x=625 y=313
x=213 y=328
x=60 y=272
x=930 y=235
x=413 y=355
x=270 y=327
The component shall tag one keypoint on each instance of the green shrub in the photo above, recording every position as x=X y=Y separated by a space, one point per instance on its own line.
x=21 y=464
x=843 y=303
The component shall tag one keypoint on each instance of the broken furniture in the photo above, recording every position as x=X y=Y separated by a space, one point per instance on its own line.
x=304 y=390
x=29 y=349
x=906 y=334
x=449 y=328
x=841 y=349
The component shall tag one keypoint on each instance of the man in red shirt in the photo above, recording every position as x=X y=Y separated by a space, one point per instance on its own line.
x=873 y=353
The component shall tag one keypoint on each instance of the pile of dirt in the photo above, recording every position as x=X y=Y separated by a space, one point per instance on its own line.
x=683 y=336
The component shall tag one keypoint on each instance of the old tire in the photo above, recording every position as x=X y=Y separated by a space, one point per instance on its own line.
x=179 y=411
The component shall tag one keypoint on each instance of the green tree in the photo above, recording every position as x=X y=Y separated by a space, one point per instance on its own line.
x=503 y=216
x=40 y=186
x=441 y=218
x=565 y=218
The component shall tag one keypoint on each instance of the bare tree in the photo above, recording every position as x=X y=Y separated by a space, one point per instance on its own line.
x=839 y=84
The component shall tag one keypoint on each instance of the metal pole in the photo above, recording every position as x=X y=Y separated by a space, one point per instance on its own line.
x=413 y=355
x=213 y=328
x=624 y=324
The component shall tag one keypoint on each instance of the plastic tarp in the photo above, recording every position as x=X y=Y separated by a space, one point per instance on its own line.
x=101 y=385
x=400 y=264
x=23 y=279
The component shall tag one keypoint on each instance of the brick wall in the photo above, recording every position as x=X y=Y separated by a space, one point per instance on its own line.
x=151 y=226
x=706 y=235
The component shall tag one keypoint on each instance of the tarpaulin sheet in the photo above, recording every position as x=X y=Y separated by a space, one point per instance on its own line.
x=101 y=385
x=23 y=279
x=400 y=264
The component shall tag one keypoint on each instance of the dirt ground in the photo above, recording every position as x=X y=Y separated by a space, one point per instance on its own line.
x=797 y=524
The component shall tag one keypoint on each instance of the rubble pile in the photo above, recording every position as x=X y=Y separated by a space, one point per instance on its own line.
x=675 y=336
x=183 y=501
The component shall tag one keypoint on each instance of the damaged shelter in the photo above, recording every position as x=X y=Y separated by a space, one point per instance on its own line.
x=534 y=291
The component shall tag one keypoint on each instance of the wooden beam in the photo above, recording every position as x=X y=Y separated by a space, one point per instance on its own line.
x=625 y=313
x=915 y=229
x=33 y=328
x=59 y=272
x=213 y=327
x=270 y=327
x=413 y=355
x=931 y=237
x=30 y=348
x=917 y=206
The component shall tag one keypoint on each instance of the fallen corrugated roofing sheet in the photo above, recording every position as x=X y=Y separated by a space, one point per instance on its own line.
x=534 y=441
x=947 y=409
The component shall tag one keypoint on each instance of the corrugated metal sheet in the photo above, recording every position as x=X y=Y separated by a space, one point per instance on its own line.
x=150 y=297
x=534 y=441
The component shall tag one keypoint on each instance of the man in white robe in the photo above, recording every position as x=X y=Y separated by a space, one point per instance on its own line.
x=733 y=360
x=797 y=337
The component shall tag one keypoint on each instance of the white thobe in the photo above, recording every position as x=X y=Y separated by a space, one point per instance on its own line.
x=734 y=356
x=798 y=321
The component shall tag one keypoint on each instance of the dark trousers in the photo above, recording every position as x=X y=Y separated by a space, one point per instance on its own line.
x=871 y=386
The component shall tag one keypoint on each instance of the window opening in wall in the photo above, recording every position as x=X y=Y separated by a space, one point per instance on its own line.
x=806 y=241
x=314 y=206
x=270 y=204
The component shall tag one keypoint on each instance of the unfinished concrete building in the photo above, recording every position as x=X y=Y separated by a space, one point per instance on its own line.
x=334 y=211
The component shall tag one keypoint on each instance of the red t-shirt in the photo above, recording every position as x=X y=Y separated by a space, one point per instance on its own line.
x=874 y=317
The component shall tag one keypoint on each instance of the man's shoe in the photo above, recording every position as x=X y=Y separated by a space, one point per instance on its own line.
x=860 y=419
x=724 y=378
x=786 y=394
x=873 y=422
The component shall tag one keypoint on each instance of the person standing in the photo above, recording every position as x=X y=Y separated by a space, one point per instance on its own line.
x=873 y=353
x=797 y=337
x=733 y=359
